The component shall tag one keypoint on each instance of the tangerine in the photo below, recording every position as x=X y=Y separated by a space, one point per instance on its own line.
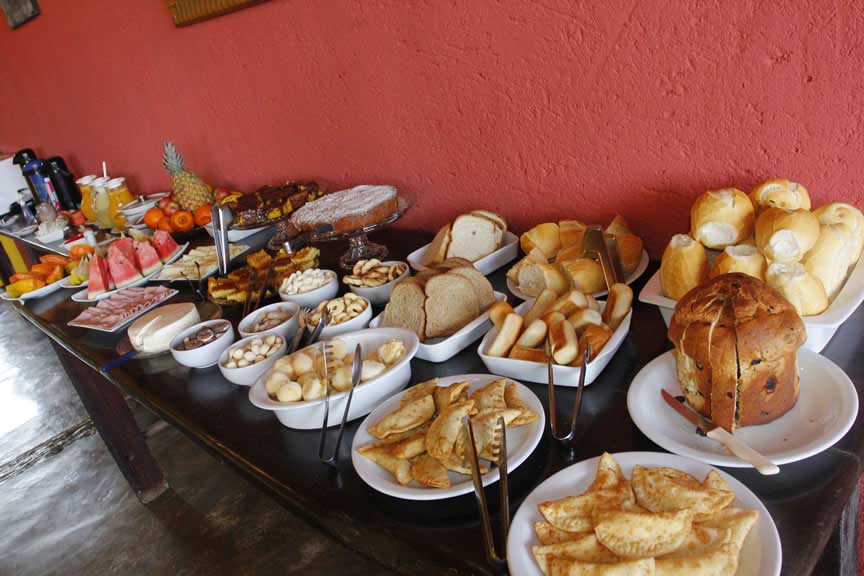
x=165 y=224
x=153 y=216
x=202 y=215
x=182 y=221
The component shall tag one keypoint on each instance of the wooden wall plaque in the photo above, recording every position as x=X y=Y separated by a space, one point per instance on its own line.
x=185 y=12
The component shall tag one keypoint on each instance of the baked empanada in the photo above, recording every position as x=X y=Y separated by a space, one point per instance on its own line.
x=485 y=426
x=549 y=534
x=722 y=561
x=585 y=549
x=447 y=395
x=491 y=396
x=738 y=521
x=411 y=446
x=568 y=567
x=642 y=534
x=575 y=513
x=668 y=490
x=408 y=416
x=400 y=469
x=514 y=400
x=418 y=391
x=430 y=472
x=445 y=428
x=609 y=474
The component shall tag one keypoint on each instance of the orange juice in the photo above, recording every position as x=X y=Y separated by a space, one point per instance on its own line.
x=118 y=196
x=85 y=184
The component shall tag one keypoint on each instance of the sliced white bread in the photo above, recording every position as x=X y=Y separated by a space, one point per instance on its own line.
x=473 y=237
x=482 y=287
x=406 y=308
x=451 y=303
x=437 y=251
x=492 y=216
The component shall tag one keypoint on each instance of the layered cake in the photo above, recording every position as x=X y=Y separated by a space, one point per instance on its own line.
x=347 y=210
x=271 y=203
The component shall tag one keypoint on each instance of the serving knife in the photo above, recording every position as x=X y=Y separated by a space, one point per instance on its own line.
x=732 y=443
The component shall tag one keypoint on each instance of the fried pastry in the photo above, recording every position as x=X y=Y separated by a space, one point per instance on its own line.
x=491 y=396
x=569 y=567
x=549 y=534
x=585 y=549
x=514 y=400
x=447 y=395
x=720 y=561
x=412 y=446
x=418 y=391
x=445 y=428
x=575 y=513
x=400 y=469
x=430 y=472
x=642 y=534
x=405 y=418
x=666 y=490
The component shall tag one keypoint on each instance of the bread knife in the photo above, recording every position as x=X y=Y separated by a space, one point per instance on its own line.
x=733 y=444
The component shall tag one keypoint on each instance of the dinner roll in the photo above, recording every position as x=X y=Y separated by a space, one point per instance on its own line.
x=585 y=275
x=803 y=290
x=839 y=212
x=542 y=304
x=743 y=258
x=618 y=226
x=533 y=335
x=830 y=257
x=534 y=278
x=780 y=193
x=630 y=251
x=618 y=304
x=570 y=233
x=721 y=218
x=683 y=267
x=544 y=236
x=786 y=235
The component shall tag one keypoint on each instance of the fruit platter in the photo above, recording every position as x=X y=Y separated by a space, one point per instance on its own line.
x=41 y=279
x=126 y=262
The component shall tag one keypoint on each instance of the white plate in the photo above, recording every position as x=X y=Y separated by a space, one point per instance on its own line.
x=826 y=409
x=26 y=230
x=486 y=265
x=131 y=318
x=537 y=372
x=236 y=235
x=521 y=442
x=41 y=292
x=820 y=328
x=760 y=556
x=142 y=203
x=64 y=283
x=205 y=275
x=640 y=269
x=442 y=349
x=82 y=295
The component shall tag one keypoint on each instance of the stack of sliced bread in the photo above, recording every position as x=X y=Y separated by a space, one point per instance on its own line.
x=471 y=236
x=440 y=300
x=571 y=269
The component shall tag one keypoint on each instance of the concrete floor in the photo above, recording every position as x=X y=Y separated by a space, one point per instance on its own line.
x=66 y=509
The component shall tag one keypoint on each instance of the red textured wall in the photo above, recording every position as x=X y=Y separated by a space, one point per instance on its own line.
x=538 y=109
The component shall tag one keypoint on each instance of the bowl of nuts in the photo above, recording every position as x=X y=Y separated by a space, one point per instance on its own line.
x=344 y=314
x=374 y=280
x=281 y=318
x=294 y=388
x=246 y=360
x=308 y=288
x=200 y=346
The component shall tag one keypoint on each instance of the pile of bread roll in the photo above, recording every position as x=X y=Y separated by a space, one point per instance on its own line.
x=569 y=268
x=771 y=235
x=572 y=322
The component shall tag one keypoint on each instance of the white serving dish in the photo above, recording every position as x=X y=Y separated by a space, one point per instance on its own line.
x=537 y=372
x=640 y=269
x=309 y=415
x=312 y=298
x=207 y=355
x=38 y=293
x=820 y=328
x=508 y=251
x=84 y=298
x=247 y=375
x=826 y=409
x=521 y=442
x=760 y=555
x=286 y=329
x=442 y=349
x=236 y=235
x=359 y=322
x=381 y=294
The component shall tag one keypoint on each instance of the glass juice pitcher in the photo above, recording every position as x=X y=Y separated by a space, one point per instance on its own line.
x=118 y=196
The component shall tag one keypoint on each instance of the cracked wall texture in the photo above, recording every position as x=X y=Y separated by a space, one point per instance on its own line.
x=538 y=109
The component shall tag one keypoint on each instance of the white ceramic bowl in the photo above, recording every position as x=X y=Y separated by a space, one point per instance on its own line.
x=247 y=375
x=359 y=322
x=309 y=415
x=206 y=355
x=312 y=298
x=286 y=329
x=381 y=294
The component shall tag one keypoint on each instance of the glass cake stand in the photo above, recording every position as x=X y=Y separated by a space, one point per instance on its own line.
x=359 y=245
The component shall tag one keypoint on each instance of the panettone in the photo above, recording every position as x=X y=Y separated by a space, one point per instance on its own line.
x=736 y=342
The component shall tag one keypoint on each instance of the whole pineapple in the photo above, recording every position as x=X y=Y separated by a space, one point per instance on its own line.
x=189 y=190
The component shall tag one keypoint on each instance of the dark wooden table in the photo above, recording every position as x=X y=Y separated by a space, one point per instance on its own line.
x=806 y=500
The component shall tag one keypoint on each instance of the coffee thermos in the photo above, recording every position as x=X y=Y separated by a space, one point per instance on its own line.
x=50 y=181
x=64 y=183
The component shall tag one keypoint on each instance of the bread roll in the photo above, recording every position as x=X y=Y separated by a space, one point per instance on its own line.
x=742 y=258
x=541 y=305
x=618 y=226
x=570 y=303
x=534 y=278
x=533 y=335
x=594 y=336
x=630 y=251
x=585 y=275
x=721 y=218
x=838 y=212
x=498 y=311
x=565 y=343
x=569 y=253
x=779 y=193
x=786 y=235
x=535 y=256
x=437 y=250
x=618 y=305
x=582 y=318
x=683 y=267
x=803 y=290
x=552 y=318
x=528 y=354
x=830 y=257
x=507 y=336
x=544 y=236
x=571 y=233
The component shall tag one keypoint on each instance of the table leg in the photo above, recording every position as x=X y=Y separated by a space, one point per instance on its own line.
x=116 y=424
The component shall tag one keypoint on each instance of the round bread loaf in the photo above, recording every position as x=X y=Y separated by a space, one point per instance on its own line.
x=736 y=342
x=721 y=218
x=780 y=193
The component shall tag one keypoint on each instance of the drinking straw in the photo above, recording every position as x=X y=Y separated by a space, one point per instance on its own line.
x=104 y=169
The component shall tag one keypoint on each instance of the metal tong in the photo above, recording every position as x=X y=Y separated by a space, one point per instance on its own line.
x=553 y=412
x=598 y=246
x=221 y=218
x=499 y=562
x=355 y=380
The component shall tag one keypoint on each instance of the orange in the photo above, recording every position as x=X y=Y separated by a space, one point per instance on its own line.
x=182 y=221
x=165 y=224
x=153 y=216
x=202 y=215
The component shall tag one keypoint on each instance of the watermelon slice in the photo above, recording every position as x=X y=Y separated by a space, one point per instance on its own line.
x=146 y=258
x=164 y=244
x=98 y=280
x=121 y=267
x=126 y=246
